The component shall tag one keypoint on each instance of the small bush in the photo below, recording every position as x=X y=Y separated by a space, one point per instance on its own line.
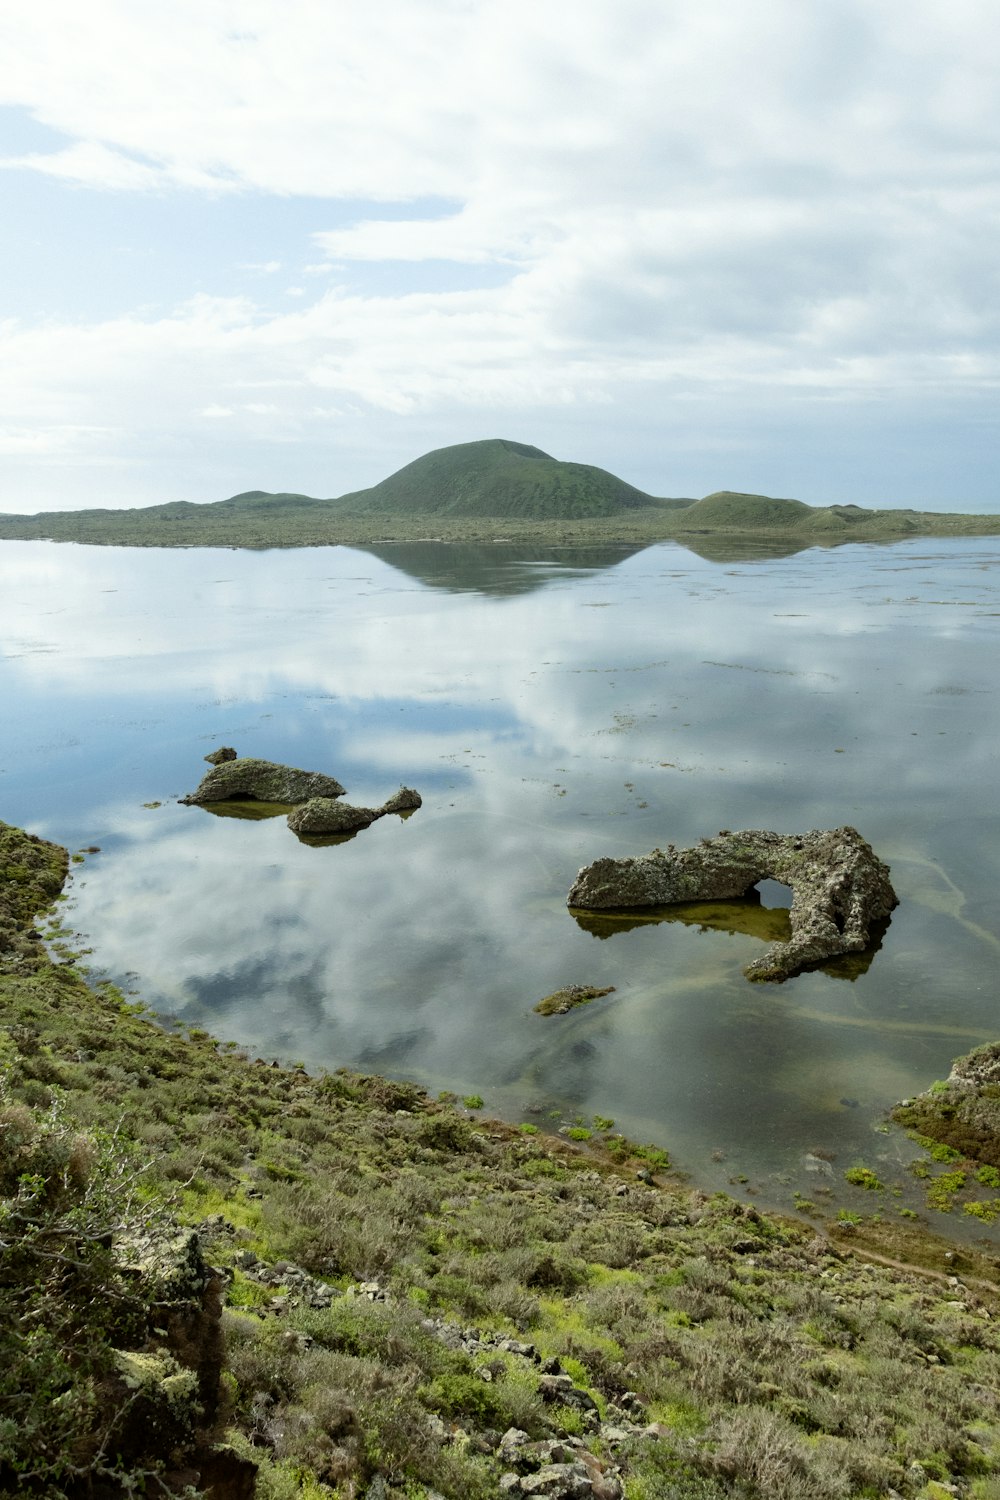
x=464 y=1396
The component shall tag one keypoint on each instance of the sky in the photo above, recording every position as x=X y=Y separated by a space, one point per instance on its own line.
x=294 y=244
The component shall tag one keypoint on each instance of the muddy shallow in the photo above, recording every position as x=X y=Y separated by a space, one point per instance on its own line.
x=549 y=712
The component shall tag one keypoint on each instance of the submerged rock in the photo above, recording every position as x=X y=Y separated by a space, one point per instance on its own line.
x=839 y=886
x=322 y=816
x=564 y=1000
x=262 y=781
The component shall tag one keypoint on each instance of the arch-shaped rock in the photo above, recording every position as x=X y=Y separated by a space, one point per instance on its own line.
x=840 y=888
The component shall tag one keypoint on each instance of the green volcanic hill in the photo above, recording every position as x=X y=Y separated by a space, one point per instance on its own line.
x=497 y=478
x=491 y=491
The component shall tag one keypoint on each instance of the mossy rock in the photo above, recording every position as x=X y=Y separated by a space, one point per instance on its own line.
x=262 y=781
x=560 y=1002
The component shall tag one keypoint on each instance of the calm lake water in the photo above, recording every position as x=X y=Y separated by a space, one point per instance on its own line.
x=550 y=708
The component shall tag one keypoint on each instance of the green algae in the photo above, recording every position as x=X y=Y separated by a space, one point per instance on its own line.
x=560 y=1002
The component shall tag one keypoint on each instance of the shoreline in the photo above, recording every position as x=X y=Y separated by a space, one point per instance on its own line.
x=422 y=1270
x=631 y=528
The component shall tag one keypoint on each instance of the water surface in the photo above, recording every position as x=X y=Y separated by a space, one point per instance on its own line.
x=550 y=708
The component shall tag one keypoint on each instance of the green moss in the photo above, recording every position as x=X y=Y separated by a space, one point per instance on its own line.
x=942 y=1190
x=863 y=1177
x=986 y=1210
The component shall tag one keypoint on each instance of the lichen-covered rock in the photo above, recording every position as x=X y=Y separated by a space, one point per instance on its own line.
x=172 y=1270
x=962 y=1112
x=323 y=815
x=262 y=781
x=218 y=757
x=160 y=1409
x=165 y=1388
x=405 y=800
x=839 y=888
x=569 y=997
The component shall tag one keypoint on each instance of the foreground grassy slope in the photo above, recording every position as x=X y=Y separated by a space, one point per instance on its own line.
x=398 y=1268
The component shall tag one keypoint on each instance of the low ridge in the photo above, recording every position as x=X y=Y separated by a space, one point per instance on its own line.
x=732 y=509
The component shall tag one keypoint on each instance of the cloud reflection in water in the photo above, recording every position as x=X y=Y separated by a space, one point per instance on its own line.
x=606 y=712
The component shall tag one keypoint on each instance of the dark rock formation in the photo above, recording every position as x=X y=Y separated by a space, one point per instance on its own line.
x=262 y=781
x=323 y=816
x=840 y=888
x=217 y=757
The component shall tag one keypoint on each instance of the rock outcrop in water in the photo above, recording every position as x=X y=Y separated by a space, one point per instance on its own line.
x=262 y=781
x=323 y=816
x=840 y=888
x=561 y=1002
x=224 y=753
x=316 y=812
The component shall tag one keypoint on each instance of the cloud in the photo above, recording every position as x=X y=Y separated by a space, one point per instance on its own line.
x=789 y=205
x=91 y=163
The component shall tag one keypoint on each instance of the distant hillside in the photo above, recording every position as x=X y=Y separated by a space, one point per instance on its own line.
x=495 y=491
x=497 y=478
x=728 y=513
x=731 y=511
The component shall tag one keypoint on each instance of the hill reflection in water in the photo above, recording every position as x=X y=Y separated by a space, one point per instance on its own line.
x=550 y=710
x=500 y=569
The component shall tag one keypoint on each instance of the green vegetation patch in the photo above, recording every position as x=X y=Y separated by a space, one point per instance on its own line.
x=863 y=1177
x=395 y=1275
x=964 y=1116
x=562 y=1001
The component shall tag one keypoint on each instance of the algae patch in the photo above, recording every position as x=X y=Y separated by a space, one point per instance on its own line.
x=567 y=999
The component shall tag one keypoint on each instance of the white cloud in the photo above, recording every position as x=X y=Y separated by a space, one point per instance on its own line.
x=90 y=163
x=740 y=203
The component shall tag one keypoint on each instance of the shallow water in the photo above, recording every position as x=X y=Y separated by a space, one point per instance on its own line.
x=550 y=709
